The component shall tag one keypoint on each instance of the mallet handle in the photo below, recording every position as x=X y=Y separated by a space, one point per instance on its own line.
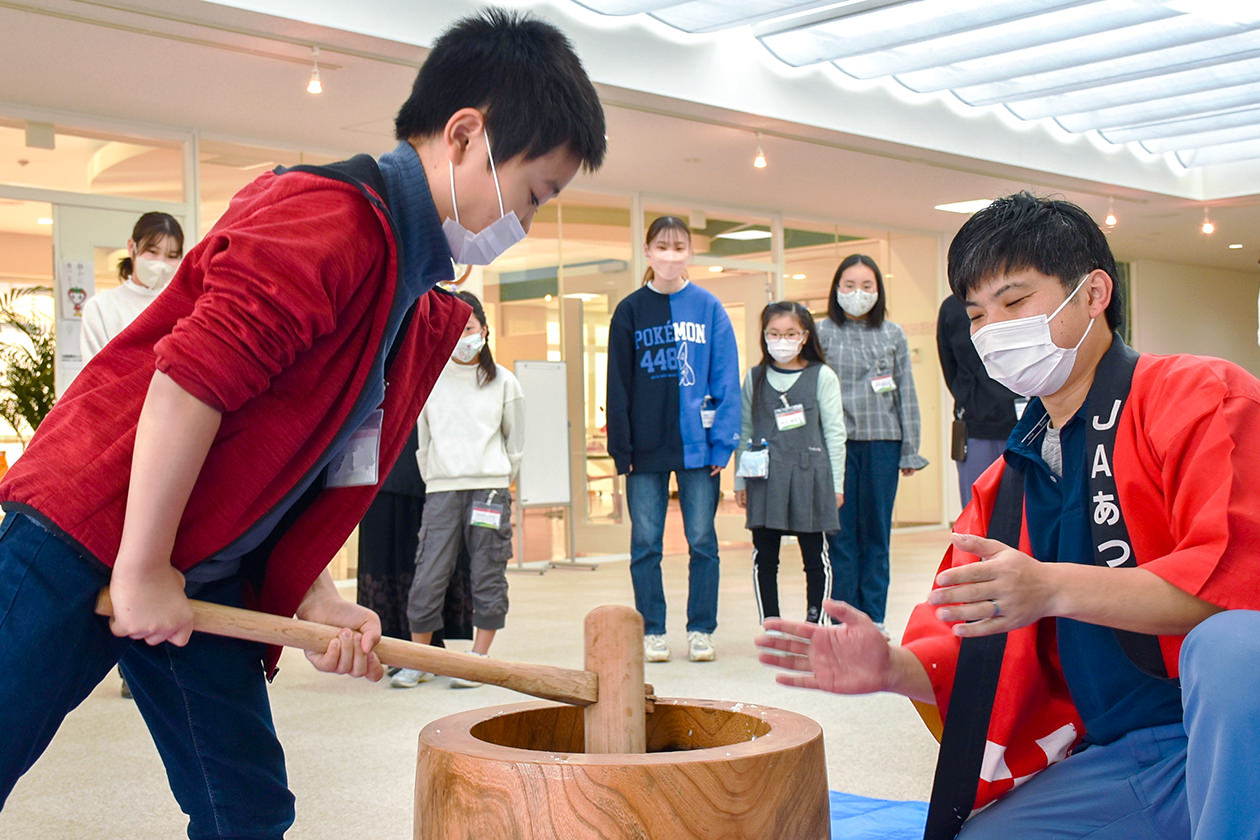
x=548 y=682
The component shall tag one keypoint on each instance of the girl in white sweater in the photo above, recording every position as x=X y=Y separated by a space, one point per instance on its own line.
x=471 y=442
x=153 y=253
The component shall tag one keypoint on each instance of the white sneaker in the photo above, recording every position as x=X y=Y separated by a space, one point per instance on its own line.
x=459 y=682
x=655 y=649
x=409 y=678
x=700 y=646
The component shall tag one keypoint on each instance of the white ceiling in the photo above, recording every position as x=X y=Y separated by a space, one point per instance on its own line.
x=238 y=76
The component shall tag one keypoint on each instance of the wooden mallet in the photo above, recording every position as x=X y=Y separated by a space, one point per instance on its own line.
x=610 y=690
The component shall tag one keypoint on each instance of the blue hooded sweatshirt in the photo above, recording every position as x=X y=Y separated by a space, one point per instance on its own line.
x=669 y=357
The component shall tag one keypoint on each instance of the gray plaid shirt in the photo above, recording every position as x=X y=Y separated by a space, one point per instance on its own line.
x=858 y=355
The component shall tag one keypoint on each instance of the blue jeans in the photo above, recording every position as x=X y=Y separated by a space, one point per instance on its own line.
x=1170 y=782
x=205 y=703
x=647 y=497
x=859 y=550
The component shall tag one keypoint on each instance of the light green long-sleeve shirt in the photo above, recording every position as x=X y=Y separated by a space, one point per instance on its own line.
x=830 y=412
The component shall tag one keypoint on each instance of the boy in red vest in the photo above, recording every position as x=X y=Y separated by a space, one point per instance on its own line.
x=225 y=445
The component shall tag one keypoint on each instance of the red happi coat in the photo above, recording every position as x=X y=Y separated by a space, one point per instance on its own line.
x=1186 y=455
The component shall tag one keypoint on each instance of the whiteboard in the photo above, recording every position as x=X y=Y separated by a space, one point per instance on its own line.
x=544 y=478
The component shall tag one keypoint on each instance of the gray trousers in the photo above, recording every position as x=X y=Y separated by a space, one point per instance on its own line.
x=446 y=528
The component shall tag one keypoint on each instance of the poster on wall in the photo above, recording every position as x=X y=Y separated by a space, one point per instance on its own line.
x=76 y=284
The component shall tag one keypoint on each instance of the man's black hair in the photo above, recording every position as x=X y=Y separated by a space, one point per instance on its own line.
x=523 y=74
x=1021 y=231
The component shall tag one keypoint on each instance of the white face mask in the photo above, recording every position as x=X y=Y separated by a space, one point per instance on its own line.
x=783 y=350
x=468 y=348
x=483 y=247
x=1021 y=355
x=857 y=302
x=152 y=274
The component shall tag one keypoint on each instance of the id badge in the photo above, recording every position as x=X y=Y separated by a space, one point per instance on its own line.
x=486 y=515
x=883 y=384
x=358 y=462
x=789 y=417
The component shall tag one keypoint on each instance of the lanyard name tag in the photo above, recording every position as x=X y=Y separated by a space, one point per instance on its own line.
x=883 y=384
x=789 y=417
x=486 y=515
x=358 y=463
x=706 y=417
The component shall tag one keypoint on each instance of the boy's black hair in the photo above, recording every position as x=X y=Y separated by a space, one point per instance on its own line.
x=875 y=318
x=1022 y=231
x=522 y=74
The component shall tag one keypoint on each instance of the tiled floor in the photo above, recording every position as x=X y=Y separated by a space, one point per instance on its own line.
x=351 y=745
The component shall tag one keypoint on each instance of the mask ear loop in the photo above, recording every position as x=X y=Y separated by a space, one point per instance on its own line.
x=493 y=172
x=454 y=204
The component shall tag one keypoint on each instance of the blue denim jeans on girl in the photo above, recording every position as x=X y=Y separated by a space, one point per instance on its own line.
x=647 y=497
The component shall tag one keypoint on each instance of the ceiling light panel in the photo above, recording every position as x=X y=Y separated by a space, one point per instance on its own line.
x=1167 y=108
x=1056 y=26
x=1179 y=76
x=1178 y=66
x=1202 y=80
x=915 y=21
x=705 y=15
x=1217 y=121
x=1054 y=55
x=1196 y=140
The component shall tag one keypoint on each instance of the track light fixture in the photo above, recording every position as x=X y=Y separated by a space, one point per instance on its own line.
x=759 y=160
x=314 y=85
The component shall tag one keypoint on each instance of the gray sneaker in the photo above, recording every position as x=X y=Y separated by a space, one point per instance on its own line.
x=700 y=647
x=655 y=649
x=409 y=678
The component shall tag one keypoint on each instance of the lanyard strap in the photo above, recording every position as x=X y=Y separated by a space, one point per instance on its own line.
x=975 y=686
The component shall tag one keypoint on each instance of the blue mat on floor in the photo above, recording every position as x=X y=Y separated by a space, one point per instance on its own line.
x=860 y=818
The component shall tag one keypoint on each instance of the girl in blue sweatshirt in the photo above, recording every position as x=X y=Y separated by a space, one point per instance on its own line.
x=673 y=406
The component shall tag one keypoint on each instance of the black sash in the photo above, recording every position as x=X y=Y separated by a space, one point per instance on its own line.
x=980 y=659
x=1112 y=547
x=975 y=686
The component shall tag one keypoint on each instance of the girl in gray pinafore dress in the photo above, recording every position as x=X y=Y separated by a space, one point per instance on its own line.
x=793 y=412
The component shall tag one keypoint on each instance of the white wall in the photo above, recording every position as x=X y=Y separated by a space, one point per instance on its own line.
x=1191 y=309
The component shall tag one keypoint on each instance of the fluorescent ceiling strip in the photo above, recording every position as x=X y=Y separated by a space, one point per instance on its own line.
x=1228 y=153
x=625 y=7
x=1160 y=34
x=711 y=15
x=1185 y=142
x=1178 y=128
x=1203 y=80
x=894 y=26
x=1053 y=27
x=1110 y=73
x=1186 y=105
